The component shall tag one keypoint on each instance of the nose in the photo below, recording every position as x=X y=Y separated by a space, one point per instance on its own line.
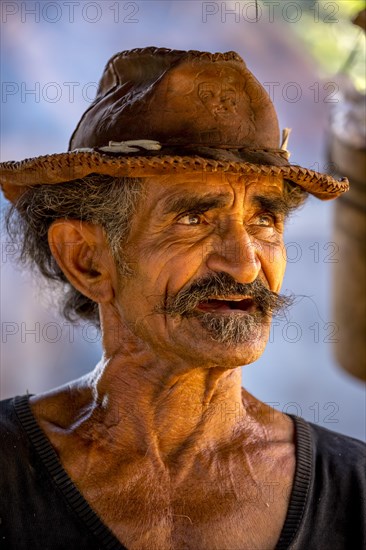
x=236 y=255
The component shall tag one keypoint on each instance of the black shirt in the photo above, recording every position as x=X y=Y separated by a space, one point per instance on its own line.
x=41 y=508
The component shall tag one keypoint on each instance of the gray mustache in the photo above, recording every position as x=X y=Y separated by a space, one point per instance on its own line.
x=223 y=285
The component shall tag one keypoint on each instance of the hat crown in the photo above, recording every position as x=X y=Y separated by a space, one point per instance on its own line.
x=179 y=98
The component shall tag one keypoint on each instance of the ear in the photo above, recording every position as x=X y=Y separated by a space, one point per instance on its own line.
x=82 y=252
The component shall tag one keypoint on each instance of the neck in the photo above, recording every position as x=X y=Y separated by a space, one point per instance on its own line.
x=154 y=407
x=143 y=402
x=146 y=404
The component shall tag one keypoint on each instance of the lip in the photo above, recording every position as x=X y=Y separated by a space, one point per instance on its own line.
x=228 y=304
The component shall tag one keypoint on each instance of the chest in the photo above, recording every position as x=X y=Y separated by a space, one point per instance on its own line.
x=228 y=511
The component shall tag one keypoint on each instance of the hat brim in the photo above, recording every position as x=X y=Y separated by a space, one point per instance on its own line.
x=17 y=176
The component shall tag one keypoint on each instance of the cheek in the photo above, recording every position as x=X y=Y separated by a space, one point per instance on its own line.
x=166 y=267
x=173 y=271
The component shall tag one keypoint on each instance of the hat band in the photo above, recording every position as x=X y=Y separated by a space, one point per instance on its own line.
x=135 y=146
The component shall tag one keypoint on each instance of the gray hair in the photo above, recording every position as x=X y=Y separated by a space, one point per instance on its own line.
x=98 y=199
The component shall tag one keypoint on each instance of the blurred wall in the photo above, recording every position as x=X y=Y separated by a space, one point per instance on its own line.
x=52 y=56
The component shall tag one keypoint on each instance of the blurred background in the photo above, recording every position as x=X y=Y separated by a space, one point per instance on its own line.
x=52 y=56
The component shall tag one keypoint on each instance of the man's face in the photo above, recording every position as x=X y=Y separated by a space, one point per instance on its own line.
x=195 y=241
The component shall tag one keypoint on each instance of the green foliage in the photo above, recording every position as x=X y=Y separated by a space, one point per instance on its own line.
x=336 y=44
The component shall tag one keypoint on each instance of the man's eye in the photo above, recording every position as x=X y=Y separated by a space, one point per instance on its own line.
x=190 y=219
x=266 y=220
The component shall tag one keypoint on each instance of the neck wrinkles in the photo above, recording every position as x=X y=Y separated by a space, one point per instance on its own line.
x=142 y=407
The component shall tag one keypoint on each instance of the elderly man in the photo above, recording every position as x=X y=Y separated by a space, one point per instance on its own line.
x=164 y=224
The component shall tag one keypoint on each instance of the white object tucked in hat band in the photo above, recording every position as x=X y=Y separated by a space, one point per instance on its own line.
x=128 y=146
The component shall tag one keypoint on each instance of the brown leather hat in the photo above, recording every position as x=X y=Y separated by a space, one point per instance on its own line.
x=161 y=111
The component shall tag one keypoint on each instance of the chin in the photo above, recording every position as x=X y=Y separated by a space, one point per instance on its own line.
x=238 y=355
x=202 y=348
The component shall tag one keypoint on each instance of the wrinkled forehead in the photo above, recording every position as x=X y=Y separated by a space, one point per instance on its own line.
x=159 y=188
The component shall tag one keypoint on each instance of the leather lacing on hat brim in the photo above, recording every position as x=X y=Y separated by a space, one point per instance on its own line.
x=16 y=177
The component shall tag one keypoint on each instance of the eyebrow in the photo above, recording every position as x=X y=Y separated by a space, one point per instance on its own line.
x=195 y=202
x=276 y=205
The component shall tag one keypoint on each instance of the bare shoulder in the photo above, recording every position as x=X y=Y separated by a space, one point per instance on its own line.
x=60 y=406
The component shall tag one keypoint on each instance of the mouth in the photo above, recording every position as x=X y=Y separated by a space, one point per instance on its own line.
x=227 y=305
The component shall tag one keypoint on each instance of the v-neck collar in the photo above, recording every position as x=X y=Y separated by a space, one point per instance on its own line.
x=104 y=535
x=62 y=480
